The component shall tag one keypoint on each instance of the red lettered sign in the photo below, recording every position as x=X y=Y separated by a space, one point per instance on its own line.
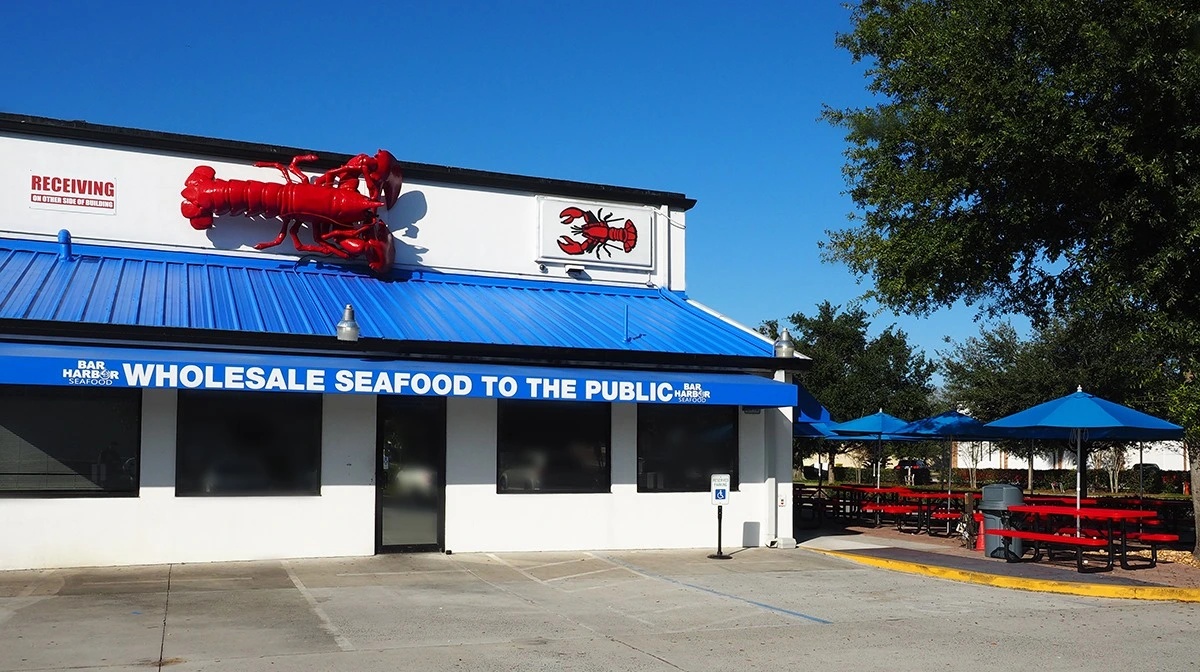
x=72 y=193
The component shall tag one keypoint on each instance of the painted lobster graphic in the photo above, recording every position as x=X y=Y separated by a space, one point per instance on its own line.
x=344 y=223
x=598 y=232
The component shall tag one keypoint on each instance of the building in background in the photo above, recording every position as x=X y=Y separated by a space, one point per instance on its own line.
x=1167 y=455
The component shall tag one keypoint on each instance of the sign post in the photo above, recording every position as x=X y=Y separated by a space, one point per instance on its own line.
x=720 y=496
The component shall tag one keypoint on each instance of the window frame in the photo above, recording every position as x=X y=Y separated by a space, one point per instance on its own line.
x=735 y=474
x=320 y=447
x=511 y=403
x=89 y=494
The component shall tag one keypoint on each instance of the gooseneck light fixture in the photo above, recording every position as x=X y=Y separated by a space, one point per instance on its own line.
x=347 y=328
x=784 y=347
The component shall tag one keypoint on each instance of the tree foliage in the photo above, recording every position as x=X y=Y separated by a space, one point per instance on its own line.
x=1025 y=154
x=854 y=374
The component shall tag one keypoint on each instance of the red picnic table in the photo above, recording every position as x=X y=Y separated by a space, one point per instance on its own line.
x=929 y=510
x=1044 y=532
x=1052 y=499
x=878 y=506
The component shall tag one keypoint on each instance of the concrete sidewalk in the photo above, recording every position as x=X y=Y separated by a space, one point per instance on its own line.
x=661 y=610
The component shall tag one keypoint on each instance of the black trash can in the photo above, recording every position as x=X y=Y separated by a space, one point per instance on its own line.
x=994 y=505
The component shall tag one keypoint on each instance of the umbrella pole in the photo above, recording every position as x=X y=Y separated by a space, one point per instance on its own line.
x=1079 y=467
x=1141 y=468
x=949 y=470
x=879 y=462
x=949 y=478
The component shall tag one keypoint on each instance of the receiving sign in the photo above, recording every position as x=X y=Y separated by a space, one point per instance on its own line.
x=720 y=489
x=36 y=364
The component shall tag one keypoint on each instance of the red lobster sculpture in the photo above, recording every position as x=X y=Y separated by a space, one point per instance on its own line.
x=344 y=223
x=598 y=232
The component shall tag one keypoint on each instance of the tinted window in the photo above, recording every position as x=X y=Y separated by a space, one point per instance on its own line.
x=69 y=440
x=680 y=446
x=552 y=446
x=248 y=443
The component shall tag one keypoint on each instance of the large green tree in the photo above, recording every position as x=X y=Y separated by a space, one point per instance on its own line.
x=854 y=374
x=1028 y=156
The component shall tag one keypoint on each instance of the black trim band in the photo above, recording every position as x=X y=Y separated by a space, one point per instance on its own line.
x=328 y=346
x=252 y=151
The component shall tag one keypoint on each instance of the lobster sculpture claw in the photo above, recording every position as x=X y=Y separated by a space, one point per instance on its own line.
x=344 y=223
x=390 y=176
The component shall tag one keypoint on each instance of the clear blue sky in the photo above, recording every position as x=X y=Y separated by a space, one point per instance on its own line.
x=711 y=99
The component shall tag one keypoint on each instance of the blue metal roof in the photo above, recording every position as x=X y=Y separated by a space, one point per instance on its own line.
x=151 y=288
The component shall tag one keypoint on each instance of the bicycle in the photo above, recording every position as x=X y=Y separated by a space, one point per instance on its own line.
x=967 y=530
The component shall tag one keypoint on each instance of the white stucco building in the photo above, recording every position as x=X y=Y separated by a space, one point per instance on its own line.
x=528 y=372
x=1167 y=455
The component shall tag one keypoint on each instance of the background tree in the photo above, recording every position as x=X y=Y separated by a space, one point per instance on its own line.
x=854 y=374
x=1031 y=155
x=997 y=373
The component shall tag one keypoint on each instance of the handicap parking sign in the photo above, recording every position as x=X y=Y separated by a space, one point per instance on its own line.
x=720 y=489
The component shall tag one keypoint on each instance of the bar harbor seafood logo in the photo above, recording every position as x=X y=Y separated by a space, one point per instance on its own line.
x=90 y=372
x=692 y=393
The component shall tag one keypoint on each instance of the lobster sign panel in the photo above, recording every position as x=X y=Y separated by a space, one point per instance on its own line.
x=342 y=222
x=595 y=234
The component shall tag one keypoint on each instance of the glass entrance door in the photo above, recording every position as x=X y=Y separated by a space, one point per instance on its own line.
x=410 y=473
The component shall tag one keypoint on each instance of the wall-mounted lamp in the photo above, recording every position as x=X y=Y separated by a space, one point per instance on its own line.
x=574 y=270
x=784 y=347
x=347 y=329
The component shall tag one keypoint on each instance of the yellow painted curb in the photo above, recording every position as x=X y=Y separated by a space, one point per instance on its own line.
x=1035 y=585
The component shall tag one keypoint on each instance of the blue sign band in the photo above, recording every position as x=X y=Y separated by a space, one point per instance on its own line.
x=37 y=364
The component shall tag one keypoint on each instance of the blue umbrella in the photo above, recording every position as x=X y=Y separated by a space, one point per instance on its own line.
x=876 y=423
x=952 y=424
x=875 y=426
x=949 y=425
x=1081 y=413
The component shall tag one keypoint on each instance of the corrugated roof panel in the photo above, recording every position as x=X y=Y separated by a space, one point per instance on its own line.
x=179 y=298
x=308 y=308
x=12 y=269
x=129 y=292
x=200 y=310
x=208 y=291
x=47 y=293
x=72 y=304
x=289 y=302
x=245 y=306
x=269 y=306
x=220 y=298
x=103 y=297
x=152 y=303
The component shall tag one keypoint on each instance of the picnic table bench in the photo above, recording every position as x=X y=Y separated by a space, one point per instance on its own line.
x=1047 y=539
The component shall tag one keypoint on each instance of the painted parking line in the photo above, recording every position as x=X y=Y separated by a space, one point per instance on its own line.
x=413 y=572
x=164 y=580
x=710 y=591
x=326 y=622
x=575 y=576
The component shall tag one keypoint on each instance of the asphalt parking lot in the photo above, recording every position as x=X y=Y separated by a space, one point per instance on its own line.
x=661 y=610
